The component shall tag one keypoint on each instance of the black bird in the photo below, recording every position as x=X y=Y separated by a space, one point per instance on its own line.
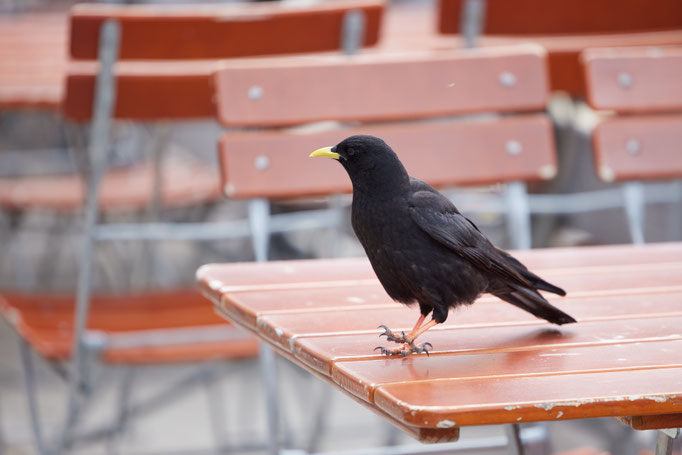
x=422 y=249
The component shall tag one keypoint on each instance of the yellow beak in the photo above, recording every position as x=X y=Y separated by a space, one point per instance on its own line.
x=325 y=151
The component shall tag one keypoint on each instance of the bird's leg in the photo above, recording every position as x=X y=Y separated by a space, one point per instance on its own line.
x=422 y=329
x=408 y=346
x=419 y=323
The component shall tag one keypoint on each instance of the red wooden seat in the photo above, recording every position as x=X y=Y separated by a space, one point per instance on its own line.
x=170 y=326
x=565 y=28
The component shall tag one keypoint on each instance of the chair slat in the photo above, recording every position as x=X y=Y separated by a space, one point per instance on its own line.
x=146 y=91
x=185 y=182
x=276 y=164
x=641 y=79
x=540 y=17
x=219 y=31
x=639 y=147
x=381 y=87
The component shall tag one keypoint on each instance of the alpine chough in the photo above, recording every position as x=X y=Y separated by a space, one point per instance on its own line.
x=423 y=250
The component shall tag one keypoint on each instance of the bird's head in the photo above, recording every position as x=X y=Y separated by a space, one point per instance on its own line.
x=369 y=161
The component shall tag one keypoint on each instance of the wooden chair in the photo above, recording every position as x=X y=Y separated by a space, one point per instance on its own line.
x=394 y=96
x=144 y=92
x=639 y=92
x=566 y=28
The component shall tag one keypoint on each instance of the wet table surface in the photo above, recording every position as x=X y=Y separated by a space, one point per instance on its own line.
x=491 y=362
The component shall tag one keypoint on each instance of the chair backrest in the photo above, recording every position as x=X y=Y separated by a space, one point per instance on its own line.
x=644 y=85
x=168 y=52
x=556 y=17
x=565 y=27
x=181 y=32
x=414 y=96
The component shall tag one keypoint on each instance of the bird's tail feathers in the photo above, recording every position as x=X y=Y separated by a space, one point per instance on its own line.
x=535 y=304
x=539 y=283
x=536 y=281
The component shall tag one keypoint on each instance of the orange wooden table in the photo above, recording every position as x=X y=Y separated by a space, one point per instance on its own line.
x=491 y=363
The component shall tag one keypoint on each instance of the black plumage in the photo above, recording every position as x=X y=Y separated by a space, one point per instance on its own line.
x=423 y=249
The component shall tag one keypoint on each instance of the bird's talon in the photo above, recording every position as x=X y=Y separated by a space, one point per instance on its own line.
x=389 y=352
x=390 y=336
x=383 y=350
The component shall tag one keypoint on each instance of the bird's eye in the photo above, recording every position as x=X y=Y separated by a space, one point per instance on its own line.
x=350 y=152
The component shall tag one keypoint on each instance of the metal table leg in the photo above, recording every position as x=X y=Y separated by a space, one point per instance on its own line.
x=514 y=439
x=269 y=374
x=664 y=444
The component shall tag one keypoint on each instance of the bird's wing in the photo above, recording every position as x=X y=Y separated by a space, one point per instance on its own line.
x=439 y=218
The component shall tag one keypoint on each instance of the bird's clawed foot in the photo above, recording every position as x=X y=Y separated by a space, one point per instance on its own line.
x=406 y=349
x=390 y=336
x=421 y=348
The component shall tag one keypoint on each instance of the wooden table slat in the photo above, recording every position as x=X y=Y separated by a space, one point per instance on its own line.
x=282 y=329
x=325 y=352
x=363 y=377
x=367 y=294
x=516 y=399
x=290 y=273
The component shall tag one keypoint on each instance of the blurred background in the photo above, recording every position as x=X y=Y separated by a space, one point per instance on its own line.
x=163 y=167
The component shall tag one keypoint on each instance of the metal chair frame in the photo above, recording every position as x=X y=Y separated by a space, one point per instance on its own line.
x=87 y=344
x=79 y=373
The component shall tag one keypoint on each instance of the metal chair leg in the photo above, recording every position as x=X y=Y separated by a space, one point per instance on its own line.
x=123 y=413
x=150 y=264
x=32 y=396
x=518 y=215
x=105 y=94
x=259 y=221
x=675 y=224
x=473 y=18
x=217 y=414
x=353 y=31
x=633 y=192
